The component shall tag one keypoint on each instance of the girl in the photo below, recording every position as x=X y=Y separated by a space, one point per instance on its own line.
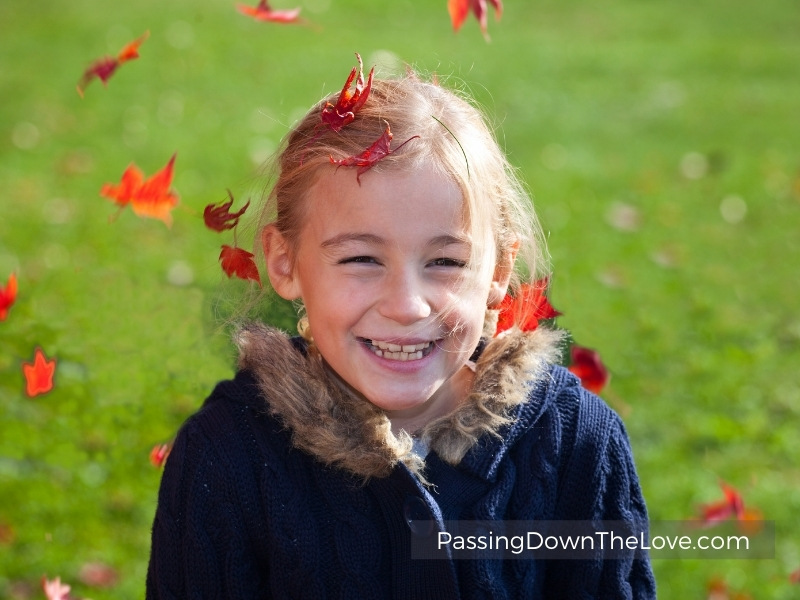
x=319 y=470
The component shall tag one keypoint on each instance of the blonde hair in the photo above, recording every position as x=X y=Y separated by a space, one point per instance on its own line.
x=454 y=138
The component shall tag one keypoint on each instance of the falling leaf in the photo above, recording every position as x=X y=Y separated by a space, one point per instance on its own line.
x=8 y=296
x=218 y=216
x=55 y=590
x=236 y=261
x=459 y=9
x=7 y=534
x=369 y=157
x=528 y=305
x=148 y=198
x=159 y=454
x=730 y=507
x=623 y=217
x=39 y=374
x=349 y=103
x=586 y=364
x=104 y=68
x=263 y=12
x=718 y=590
x=98 y=575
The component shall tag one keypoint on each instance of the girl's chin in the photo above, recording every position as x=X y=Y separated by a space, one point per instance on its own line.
x=403 y=406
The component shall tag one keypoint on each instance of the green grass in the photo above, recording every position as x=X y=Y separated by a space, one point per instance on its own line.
x=597 y=103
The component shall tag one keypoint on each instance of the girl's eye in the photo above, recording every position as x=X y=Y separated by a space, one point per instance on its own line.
x=357 y=259
x=449 y=262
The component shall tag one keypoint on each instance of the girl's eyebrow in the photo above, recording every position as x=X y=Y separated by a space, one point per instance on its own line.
x=344 y=238
x=369 y=238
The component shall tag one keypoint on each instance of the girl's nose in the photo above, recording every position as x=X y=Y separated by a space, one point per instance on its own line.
x=403 y=300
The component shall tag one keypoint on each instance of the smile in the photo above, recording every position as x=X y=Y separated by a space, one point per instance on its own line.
x=399 y=352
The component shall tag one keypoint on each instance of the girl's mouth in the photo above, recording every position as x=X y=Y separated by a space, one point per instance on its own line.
x=403 y=353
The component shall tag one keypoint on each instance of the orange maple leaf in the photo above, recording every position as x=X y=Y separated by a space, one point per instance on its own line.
x=104 y=68
x=459 y=9
x=263 y=12
x=8 y=296
x=39 y=374
x=148 y=198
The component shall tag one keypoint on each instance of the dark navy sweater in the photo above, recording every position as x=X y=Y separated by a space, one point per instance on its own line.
x=243 y=515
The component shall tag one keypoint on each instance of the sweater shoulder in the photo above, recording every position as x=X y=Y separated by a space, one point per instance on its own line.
x=586 y=419
x=232 y=434
x=234 y=407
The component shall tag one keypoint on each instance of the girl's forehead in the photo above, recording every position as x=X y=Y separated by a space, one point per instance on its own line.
x=402 y=200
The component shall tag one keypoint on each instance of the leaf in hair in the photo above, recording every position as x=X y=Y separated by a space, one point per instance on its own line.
x=379 y=150
x=348 y=104
x=526 y=307
x=104 y=68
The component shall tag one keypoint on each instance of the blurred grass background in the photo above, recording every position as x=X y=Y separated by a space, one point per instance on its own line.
x=661 y=141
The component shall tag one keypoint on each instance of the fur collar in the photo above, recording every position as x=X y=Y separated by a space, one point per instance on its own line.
x=342 y=429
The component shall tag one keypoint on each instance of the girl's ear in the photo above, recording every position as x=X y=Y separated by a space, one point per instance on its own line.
x=502 y=276
x=280 y=268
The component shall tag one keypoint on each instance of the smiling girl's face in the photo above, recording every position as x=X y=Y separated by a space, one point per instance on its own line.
x=382 y=270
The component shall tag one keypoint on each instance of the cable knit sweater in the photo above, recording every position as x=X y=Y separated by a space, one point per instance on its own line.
x=260 y=499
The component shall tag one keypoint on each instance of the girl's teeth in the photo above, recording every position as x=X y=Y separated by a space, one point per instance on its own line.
x=398 y=348
x=398 y=352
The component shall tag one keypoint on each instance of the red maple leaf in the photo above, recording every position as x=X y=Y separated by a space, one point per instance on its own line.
x=459 y=9
x=55 y=590
x=349 y=102
x=586 y=364
x=731 y=506
x=39 y=374
x=7 y=534
x=104 y=68
x=263 y=12
x=238 y=262
x=8 y=296
x=218 y=216
x=159 y=454
x=528 y=305
x=98 y=575
x=369 y=157
x=148 y=198
x=718 y=590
